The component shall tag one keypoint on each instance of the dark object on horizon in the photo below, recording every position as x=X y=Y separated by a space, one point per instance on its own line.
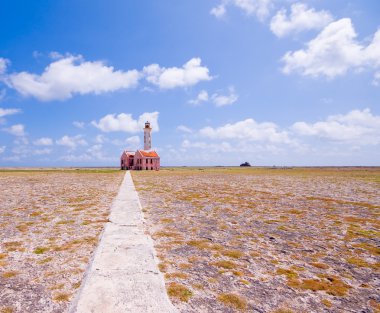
x=245 y=164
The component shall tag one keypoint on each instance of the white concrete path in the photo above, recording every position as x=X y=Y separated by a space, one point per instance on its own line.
x=123 y=275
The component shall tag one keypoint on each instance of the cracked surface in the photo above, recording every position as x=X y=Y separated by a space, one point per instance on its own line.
x=266 y=240
x=49 y=226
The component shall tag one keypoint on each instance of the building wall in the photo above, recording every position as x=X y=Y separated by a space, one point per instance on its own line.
x=139 y=162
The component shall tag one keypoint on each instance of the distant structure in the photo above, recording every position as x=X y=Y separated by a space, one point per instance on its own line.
x=146 y=159
x=245 y=164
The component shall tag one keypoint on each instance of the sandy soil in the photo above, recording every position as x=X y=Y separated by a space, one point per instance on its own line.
x=50 y=222
x=266 y=240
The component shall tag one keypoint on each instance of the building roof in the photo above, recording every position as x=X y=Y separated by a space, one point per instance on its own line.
x=149 y=154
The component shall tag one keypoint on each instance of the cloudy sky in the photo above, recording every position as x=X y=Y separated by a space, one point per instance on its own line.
x=272 y=82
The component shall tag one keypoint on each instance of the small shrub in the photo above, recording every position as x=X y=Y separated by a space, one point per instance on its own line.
x=40 y=250
x=60 y=297
x=233 y=301
x=179 y=291
x=10 y=274
x=225 y=264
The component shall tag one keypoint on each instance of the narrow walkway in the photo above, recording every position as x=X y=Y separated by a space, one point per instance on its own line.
x=123 y=276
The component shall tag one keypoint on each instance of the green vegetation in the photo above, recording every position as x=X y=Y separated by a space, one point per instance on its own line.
x=178 y=291
x=234 y=301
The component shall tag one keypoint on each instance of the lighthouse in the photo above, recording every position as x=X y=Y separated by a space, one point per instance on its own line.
x=146 y=159
x=147 y=136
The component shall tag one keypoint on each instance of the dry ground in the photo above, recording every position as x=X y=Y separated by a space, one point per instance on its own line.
x=266 y=240
x=49 y=226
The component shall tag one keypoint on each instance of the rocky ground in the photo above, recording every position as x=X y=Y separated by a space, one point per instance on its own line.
x=266 y=240
x=50 y=222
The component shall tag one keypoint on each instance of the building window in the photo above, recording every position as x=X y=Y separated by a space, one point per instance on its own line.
x=146 y=161
x=151 y=161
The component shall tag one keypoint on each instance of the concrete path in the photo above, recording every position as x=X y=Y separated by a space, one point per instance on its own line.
x=123 y=275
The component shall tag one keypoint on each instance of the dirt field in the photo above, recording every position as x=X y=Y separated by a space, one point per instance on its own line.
x=49 y=226
x=266 y=240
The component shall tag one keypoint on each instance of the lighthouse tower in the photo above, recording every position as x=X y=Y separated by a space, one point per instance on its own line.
x=147 y=136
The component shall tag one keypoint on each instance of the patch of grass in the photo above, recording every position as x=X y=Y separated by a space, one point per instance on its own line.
x=225 y=264
x=163 y=267
x=40 y=250
x=200 y=244
x=287 y=272
x=10 y=274
x=60 y=297
x=46 y=260
x=176 y=275
x=178 y=291
x=76 y=285
x=236 y=254
x=282 y=310
x=326 y=303
x=13 y=246
x=319 y=265
x=332 y=285
x=370 y=248
x=234 y=301
x=6 y=309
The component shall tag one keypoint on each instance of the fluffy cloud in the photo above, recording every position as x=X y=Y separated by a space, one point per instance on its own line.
x=201 y=97
x=260 y=8
x=216 y=98
x=247 y=130
x=72 y=142
x=5 y=112
x=359 y=127
x=44 y=141
x=125 y=123
x=301 y=18
x=3 y=65
x=16 y=130
x=219 y=11
x=184 y=129
x=333 y=52
x=223 y=100
x=188 y=75
x=78 y=124
x=72 y=75
x=2 y=149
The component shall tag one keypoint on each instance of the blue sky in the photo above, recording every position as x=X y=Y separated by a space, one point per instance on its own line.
x=272 y=82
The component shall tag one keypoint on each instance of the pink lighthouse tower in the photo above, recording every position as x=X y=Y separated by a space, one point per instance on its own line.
x=147 y=136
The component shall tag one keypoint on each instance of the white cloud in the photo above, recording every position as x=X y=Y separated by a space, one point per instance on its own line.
x=188 y=75
x=333 y=52
x=359 y=127
x=219 y=11
x=202 y=97
x=247 y=130
x=301 y=18
x=3 y=65
x=44 y=141
x=72 y=75
x=223 y=100
x=133 y=142
x=184 y=129
x=125 y=123
x=2 y=149
x=215 y=147
x=79 y=124
x=260 y=8
x=100 y=139
x=16 y=130
x=72 y=142
x=5 y=112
